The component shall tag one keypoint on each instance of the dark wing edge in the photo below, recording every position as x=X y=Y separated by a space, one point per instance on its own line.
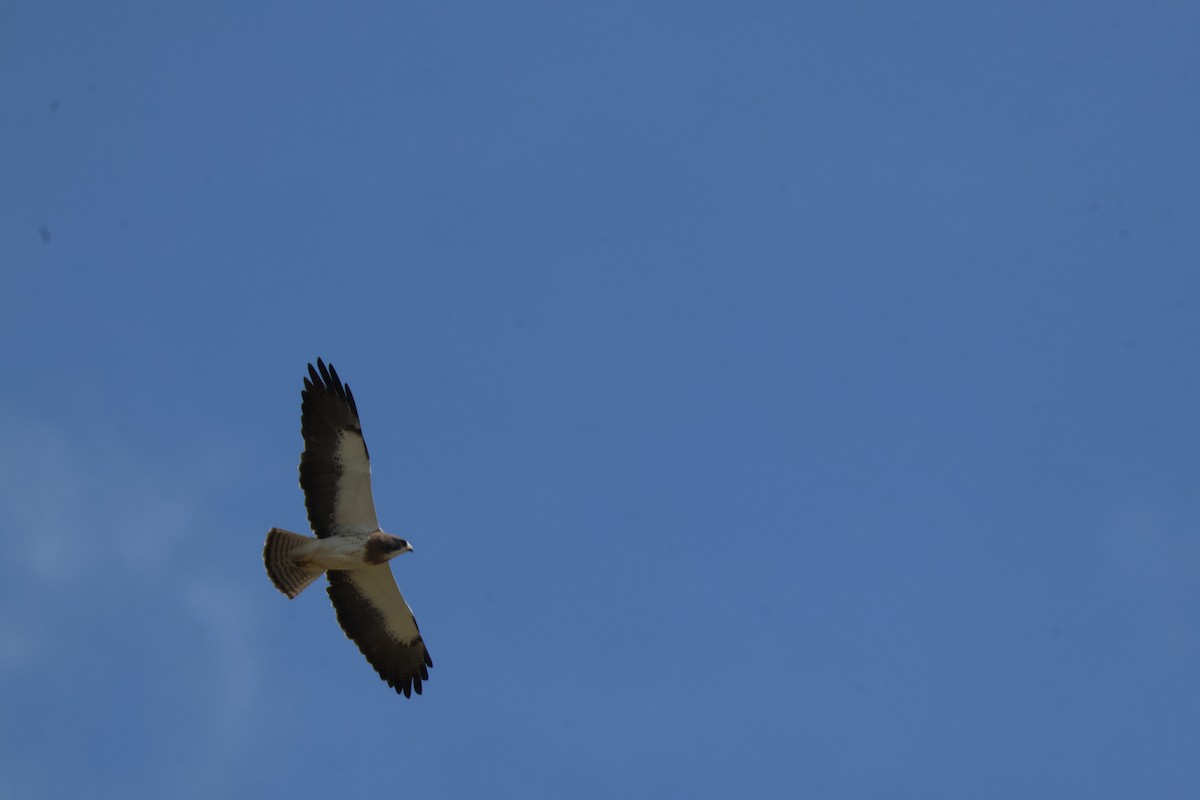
x=402 y=662
x=327 y=409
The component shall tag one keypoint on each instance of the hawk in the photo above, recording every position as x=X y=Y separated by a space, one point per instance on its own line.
x=349 y=548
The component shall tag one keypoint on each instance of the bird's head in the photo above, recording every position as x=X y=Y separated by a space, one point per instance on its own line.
x=383 y=547
x=397 y=546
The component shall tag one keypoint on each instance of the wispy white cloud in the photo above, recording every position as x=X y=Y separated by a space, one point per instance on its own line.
x=44 y=500
x=226 y=613
x=71 y=508
x=224 y=610
x=78 y=518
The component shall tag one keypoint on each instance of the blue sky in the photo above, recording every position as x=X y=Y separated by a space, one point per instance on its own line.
x=783 y=399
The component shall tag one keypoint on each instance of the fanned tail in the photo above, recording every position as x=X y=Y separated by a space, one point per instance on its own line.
x=288 y=576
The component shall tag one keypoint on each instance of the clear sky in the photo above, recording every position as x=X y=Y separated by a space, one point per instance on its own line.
x=783 y=399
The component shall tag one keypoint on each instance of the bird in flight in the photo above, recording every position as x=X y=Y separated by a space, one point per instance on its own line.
x=350 y=548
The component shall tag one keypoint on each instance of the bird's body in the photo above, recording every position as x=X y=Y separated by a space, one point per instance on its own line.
x=349 y=548
x=353 y=551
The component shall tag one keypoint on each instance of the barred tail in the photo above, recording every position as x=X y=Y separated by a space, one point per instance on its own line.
x=288 y=576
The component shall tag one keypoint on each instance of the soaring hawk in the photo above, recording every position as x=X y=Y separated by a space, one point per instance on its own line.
x=350 y=548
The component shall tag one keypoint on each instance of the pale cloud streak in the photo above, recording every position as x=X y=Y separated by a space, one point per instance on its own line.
x=80 y=518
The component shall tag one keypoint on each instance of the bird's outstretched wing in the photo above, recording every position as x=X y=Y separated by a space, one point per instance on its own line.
x=335 y=469
x=373 y=613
